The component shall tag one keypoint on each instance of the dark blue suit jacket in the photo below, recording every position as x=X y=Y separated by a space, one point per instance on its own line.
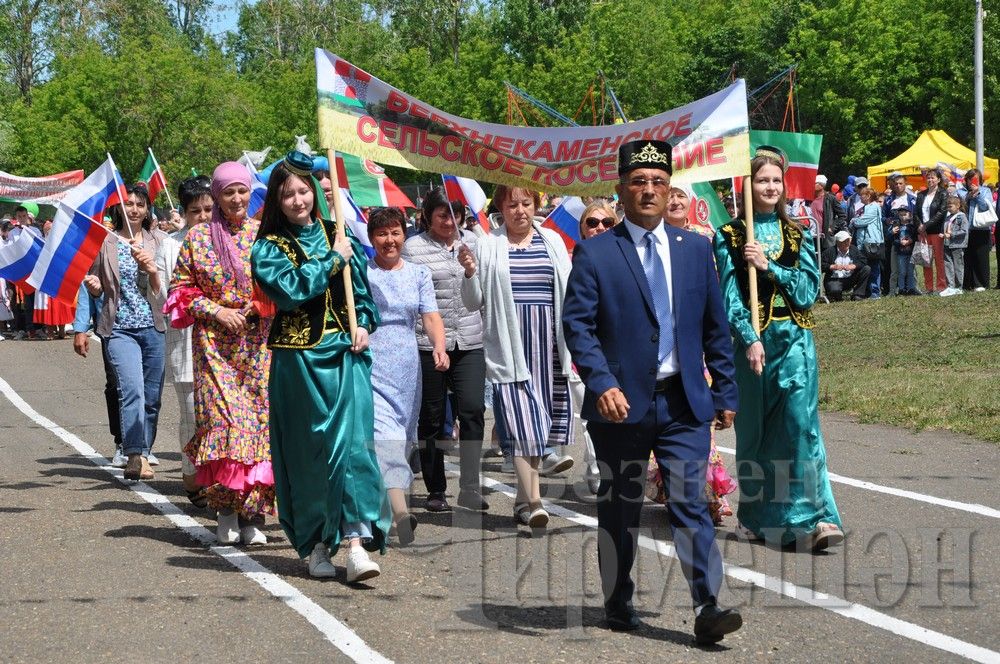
x=611 y=330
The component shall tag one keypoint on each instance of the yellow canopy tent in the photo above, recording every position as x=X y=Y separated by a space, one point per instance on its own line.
x=933 y=146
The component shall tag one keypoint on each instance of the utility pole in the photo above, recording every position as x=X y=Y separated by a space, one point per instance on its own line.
x=978 y=55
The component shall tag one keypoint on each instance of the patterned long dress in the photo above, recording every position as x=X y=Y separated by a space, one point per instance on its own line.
x=402 y=297
x=231 y=445
x=536 y=412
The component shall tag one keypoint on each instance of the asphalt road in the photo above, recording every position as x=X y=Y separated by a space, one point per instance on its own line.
x=93 y=570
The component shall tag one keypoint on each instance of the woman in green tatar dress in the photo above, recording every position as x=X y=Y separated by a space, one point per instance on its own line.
x=327 y=479
x=785 y=494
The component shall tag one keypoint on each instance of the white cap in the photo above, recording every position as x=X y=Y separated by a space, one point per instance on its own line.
x=860 y=180
x=841 y=236
x=821 y=179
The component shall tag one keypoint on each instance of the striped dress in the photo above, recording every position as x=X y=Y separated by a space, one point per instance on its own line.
x=536 y=412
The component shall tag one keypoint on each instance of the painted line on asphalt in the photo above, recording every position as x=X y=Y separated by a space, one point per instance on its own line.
x=336 y=632
x=808 y=596
x=973 y=508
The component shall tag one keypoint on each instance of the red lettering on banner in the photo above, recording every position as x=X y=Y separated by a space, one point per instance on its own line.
x=544 y=152
x=609 y=168
x=631 y=136
x=666 y=129
x=503 y=144
x=590 y=148
x=540 y=173
x=564 y=176
x=365 y=124
x=491 y=160
x=512 y=166
x=611 y=145
x=396 y=102
x=387 y=134
x=649 y=134
x=694 y=155
x=715 y=151
x=522 y=149
x=683 y=125
x=440 y=119
x=428 y=145
x=568 y=151
x=408 y=134
x=485 y=139
x=587 y=171
x=418 y=111
x=450 y=140
x=469 y=149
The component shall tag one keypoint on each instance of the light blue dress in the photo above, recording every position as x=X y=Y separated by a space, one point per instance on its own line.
x=402 y=296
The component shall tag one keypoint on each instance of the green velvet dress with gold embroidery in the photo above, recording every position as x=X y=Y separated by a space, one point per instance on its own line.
x=322 y=413
x=781 y=460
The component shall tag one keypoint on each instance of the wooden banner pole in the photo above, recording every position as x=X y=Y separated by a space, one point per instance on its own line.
x=338 y=214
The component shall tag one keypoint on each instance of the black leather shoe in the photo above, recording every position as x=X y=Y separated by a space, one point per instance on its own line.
x=436 y=502
x=714 y=623
x=623 y=621
x=471 y=499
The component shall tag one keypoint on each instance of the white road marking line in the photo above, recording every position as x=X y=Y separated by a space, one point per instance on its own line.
x=808 y=596
x=336 y=632
x=973 y=508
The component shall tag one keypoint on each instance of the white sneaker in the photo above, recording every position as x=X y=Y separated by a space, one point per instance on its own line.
x=948 y=292
x=252 y=536
x=319 y=563
x=153 y=461
x=554 y=464
x=228 y=530
x=979 y=289
x=360 y=567
x=119 y=460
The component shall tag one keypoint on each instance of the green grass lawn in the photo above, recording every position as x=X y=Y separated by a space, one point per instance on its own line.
x=924 y=362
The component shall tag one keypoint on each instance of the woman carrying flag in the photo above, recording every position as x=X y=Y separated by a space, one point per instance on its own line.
x=327 y=477
x=780 y=457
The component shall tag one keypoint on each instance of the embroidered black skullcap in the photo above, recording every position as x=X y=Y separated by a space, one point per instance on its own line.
x=774 y=153
x=299 y=163
x=645 y=154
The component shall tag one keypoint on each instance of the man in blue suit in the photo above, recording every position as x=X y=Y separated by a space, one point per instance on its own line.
x=643 y=310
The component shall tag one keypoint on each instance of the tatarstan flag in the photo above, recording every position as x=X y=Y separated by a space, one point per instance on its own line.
x=369 y=185
x=707 y=210
x=152 y=176
x=802 y=151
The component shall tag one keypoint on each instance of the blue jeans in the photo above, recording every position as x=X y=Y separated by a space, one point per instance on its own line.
x=136 y=358
x=906 y=279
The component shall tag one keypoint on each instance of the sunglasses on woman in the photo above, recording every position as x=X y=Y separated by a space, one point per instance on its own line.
x=594 y=222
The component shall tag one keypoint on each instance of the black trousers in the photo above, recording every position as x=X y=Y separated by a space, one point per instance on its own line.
x=467 y=379
x=977 y=260
x=857 y=281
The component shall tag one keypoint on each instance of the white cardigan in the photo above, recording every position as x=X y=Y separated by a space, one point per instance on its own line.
x=489 y=290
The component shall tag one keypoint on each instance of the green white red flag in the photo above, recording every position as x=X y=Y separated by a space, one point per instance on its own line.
x=152 y=176
x=369 y=185
x=706 y=210
x=802 y=151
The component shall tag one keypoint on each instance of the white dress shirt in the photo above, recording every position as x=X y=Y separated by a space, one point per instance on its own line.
x=670 y=364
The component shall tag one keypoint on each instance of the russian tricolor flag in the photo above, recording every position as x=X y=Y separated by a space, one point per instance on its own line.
x=565 y=220
x=76 y=236
x=356 y=221
x=18 y=258
x=468 y=192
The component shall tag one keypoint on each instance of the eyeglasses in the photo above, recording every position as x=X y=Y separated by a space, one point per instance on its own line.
x=640 y=183
x=594 y=222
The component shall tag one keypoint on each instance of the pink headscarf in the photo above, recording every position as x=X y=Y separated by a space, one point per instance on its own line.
x=226 y=174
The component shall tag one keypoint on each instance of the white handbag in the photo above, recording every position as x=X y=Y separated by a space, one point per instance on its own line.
x=983 y=220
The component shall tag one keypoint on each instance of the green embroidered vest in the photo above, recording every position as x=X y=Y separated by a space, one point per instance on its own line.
x=304 y=326
x=772 y=304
